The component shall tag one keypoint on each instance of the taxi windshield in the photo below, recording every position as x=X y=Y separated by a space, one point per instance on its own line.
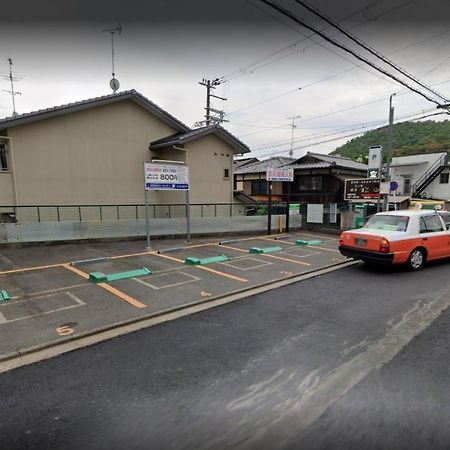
x=387 y=222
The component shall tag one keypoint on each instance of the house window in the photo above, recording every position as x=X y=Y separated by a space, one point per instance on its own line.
x=310 y=183
x=3 y=158
x=443 y=178
x=259 y=187
x=226 y=173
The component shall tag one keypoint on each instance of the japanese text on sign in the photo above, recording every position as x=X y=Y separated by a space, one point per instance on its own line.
x=166 y=177
x=362 y=189
x=280 y=175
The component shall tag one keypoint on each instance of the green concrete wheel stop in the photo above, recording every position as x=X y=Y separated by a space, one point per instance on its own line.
x=100 y=277
x=257 y=250
x=4 y=296
x=192 y=261
x=300 y=242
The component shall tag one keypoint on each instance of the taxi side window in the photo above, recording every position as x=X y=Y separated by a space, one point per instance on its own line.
x=430 y=224
x=446 y=218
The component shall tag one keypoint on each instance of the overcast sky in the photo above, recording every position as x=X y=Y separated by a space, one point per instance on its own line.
x=168 y=46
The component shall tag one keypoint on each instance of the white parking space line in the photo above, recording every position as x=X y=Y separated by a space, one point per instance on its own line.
x=51 y=291
x=257 y=266
x=153 y=277
x=78 y=302
x=294 y=252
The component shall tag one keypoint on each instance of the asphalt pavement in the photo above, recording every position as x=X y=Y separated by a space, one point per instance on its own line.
x=52 y=300
x=352 y=359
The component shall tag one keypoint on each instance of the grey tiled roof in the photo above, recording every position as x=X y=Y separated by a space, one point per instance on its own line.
x=244 y=161
x=332 y=160
x=133 y=95
x=306 y=166
x=181 y=138
x=262 y=166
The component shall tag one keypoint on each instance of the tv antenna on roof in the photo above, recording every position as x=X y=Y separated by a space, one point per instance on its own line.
x=11 y=77
x=114 y=82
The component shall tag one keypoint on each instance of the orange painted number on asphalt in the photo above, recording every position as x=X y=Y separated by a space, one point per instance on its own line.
x=205 y=294
x=65 y=331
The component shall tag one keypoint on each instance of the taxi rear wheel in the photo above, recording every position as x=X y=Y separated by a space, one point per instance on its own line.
x=416 y=259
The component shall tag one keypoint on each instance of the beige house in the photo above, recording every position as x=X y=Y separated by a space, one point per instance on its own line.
x=92 y=153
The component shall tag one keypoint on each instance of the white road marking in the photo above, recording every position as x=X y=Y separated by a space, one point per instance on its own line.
x=259 y=264
x=146 y=283
x=77 y=300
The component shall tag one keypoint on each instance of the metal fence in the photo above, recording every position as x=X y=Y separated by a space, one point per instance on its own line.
x=331 y=216
x=100 y=213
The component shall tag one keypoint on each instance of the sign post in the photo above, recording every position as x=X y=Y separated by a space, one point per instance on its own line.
x=163 y=175
x=147 y=229
x=278 y=175
x=374 y=165
x=269 y=210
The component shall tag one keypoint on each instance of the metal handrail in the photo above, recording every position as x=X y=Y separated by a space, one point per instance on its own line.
x=441 y=162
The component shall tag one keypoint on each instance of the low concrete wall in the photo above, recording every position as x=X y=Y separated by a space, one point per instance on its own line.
x=64 y=231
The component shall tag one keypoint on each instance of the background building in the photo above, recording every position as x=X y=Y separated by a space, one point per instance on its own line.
x=422 y=176
x=92 y=153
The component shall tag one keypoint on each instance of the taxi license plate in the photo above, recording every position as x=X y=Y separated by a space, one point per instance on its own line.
x=361 y=242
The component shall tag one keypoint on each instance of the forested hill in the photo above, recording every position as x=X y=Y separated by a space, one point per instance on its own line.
x=409 y=138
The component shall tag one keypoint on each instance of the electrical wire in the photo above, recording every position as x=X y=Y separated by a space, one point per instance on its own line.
x=245 y=69
x=367 y=47
x=334 y=42
x=264 y=101
x=344 y=136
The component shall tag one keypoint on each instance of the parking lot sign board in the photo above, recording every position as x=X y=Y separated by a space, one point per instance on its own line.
x=362 y=189
x=166 y=177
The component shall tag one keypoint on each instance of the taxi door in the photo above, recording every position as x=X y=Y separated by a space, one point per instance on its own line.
x=434 y=237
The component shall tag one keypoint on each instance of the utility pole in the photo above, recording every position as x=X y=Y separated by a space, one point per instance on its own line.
x=11 y=79
x=293 y=125
x=212 y=115
x=389 y=151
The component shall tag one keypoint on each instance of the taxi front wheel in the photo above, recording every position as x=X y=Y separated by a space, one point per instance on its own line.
x=416 y=259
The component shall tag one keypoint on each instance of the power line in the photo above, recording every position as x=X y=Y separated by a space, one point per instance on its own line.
x=264 y=101
x=345 y=136
x=310 y=37
x=371 y=50
x=345 y=129
x=246 y=69
x=327 y=38
x=329 y=77
x=243 y=71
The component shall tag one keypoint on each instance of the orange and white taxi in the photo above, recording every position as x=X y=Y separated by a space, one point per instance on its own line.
x=400 y=237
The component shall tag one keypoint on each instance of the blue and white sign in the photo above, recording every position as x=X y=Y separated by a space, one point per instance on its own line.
x=166 y=177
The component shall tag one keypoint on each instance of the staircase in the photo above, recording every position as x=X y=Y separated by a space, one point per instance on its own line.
x=431 y=174
x=245 y=198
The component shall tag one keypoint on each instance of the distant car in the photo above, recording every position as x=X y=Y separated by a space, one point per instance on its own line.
x=400 y=237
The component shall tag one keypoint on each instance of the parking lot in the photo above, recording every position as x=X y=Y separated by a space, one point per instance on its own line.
x=52 y=298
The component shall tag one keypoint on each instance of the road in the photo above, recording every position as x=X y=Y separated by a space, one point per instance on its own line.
x=352 y=359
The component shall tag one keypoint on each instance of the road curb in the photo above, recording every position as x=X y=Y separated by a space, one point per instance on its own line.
x=58 y=347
